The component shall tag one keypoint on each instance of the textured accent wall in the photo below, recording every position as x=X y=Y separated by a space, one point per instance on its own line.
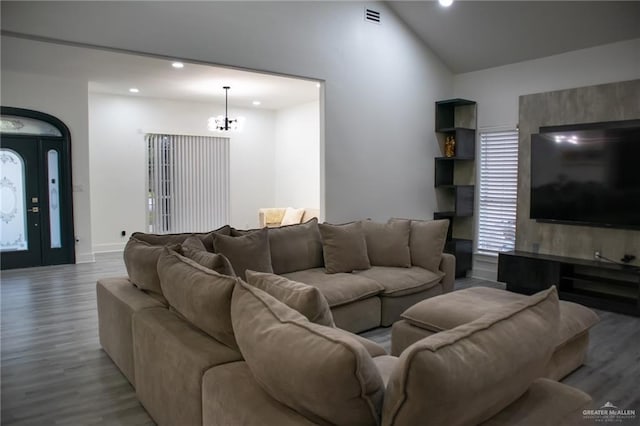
x=606 y=102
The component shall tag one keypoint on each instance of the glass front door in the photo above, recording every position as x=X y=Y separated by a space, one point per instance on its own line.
x=36 y=225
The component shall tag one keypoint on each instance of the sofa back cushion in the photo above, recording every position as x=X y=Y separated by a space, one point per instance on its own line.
x=194 y=242
x=213 y=261
x=200 y=295
x=247 y=251
x=167 y=239
x=295 y=247
x=344 y=247
x=426 y=242
x=470 y=373
x=141 y=259
x=301 y=297
x=388 y=243
x=322 y=373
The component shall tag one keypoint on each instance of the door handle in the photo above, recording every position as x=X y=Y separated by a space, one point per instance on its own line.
x=34 y=210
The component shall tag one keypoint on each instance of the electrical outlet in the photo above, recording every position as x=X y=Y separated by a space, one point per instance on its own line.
x=596 y=254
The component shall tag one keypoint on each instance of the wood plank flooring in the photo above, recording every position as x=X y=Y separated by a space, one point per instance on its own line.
x=54 y=372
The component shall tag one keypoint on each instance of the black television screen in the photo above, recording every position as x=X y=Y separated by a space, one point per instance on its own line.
x=589 y=176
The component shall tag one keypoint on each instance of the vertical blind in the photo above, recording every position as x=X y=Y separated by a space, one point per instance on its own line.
x=498 y=191
x=188 y=183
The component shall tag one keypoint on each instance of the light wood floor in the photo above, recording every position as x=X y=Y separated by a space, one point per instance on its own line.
x=54 y=372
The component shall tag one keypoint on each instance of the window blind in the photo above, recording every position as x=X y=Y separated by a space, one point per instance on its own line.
x=498 y=191
x=188 y=183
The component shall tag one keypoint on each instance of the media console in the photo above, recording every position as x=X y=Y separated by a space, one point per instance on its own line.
x=598 y=284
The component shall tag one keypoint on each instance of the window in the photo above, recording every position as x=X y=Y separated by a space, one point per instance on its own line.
x=498 y=191
x=188 y=183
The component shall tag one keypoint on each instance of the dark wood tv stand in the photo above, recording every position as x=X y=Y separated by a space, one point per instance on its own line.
x=599 y=284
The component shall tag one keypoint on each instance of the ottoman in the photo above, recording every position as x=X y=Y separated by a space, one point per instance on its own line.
x=450 y=310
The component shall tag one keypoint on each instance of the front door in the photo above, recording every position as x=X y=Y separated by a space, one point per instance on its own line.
x=36 y=226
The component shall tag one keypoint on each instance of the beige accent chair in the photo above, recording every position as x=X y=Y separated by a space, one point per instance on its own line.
x=271 y=217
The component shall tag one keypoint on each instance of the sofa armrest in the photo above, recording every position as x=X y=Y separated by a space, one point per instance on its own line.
x=448 y=266
x=270 y=216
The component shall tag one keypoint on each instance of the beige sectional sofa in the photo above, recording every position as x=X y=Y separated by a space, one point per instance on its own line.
x=201 y=346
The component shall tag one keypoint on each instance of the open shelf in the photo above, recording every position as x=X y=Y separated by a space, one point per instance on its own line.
x=601 y=285
x=454 y=177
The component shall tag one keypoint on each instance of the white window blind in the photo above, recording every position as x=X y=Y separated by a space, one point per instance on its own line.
x=498 y=191
x=188 y=183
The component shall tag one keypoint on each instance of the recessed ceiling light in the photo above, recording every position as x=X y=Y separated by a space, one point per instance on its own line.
x=318 y=85
x=256 y=103
x=445 y=3
x=177 y=65
x=134 y=90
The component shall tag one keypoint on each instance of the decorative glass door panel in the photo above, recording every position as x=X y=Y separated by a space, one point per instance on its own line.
x=13 y=207
x=53 y=183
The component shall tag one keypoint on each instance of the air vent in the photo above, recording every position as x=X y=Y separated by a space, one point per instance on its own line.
x=371 y=15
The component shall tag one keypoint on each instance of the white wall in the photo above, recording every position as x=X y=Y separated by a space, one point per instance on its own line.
x=297 y=156
x=65 y=99
x=117 y=125
x=380 y=80
x=497 y=91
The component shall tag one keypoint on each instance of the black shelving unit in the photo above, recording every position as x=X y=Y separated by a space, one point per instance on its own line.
x=457 y=118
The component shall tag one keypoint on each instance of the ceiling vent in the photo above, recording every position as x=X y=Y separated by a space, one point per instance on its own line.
x=371 y=15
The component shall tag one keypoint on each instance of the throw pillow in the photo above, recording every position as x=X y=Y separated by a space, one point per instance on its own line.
x=295 y=247
x=140 y=259
x=198 y=294
x=426 y=242
x=249 y=251
x=194 y=243
x=490 y=361
x=388 y=243
x=304 y=298
x=292 y=216
x=321 y=373
x=214 y=261
x=344 y=247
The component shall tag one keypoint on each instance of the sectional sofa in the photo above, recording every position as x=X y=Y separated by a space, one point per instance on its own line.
x=259 y=332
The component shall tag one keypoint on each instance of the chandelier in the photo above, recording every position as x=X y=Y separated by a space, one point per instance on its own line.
x=223 y=122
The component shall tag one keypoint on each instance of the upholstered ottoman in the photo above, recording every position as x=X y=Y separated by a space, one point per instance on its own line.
x=450 y=310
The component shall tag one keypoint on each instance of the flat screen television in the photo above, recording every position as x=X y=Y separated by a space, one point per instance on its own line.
x=587 y=175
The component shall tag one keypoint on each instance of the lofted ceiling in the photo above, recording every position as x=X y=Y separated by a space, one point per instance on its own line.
x=470 y=35
x=474 y=35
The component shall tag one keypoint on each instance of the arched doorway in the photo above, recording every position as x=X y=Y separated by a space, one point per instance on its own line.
x=36 y=205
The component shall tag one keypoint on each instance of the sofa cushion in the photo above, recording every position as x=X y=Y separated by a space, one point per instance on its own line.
x=164 y=239
x=388 y=243
x=338 y=289
x=546 y=402
x=295 y=247
x=141 y=259
x=321 y=373
x=194 y=242
x=248 y=251
x=214 y=261
x=304 y=298
x=292 y=216
x=344 y=247
x=426 y=242
x=200 y=295
x=469 y=374
x=463 y=306
x=402 y=281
